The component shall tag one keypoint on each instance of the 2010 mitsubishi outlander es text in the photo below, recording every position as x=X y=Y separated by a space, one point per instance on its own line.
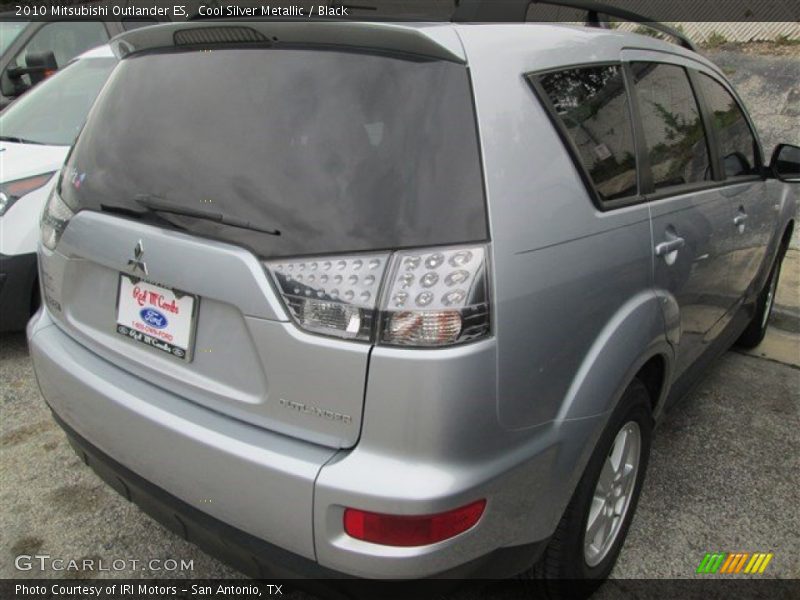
x=400 y=300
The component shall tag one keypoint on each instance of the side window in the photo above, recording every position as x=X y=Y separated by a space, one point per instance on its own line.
x=66 y=39
x=673 y=129
x=593 y=106
x=737 y=144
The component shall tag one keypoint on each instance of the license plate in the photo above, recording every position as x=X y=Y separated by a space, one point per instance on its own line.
x=157 y=316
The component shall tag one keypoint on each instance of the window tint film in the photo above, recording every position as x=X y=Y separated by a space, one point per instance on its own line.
x=736 y=141
x=593 y=106
x=339 y=151
x=673 y=129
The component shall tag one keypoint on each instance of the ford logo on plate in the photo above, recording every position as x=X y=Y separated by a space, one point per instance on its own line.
x=154 y=318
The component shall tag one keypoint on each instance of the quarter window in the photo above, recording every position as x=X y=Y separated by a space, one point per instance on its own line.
x=737 y=144
x=593 y=106
x=673 y=129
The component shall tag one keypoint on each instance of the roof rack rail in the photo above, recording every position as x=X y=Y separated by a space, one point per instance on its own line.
x=596 y=14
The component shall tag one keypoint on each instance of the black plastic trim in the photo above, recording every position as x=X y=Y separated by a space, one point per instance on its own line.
x=644 y=174
x=693 y=188
x=712 y=141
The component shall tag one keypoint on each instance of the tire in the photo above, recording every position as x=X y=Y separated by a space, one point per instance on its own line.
x=564 y=570
x=754 y=334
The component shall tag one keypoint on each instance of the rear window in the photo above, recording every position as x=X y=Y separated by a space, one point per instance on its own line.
x=339 y=151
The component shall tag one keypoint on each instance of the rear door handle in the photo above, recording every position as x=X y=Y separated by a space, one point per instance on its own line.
x=739 y=219
x=665 y=248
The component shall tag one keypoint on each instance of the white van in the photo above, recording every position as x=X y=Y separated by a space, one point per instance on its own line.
x=36 y=133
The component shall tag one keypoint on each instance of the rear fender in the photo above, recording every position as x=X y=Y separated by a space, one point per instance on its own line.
x=634 y=335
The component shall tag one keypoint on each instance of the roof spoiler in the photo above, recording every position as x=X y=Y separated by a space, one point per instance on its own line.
x=433 y=42
x=597 y=14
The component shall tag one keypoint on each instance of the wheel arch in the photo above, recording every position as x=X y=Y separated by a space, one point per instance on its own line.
x=632 y=344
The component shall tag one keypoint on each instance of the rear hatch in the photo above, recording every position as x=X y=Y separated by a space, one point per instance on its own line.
x=199 y=163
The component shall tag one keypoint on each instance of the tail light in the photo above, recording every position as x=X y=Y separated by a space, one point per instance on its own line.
x=403 y=530
x=423 y=298
x=54 y=220
x=436 y=298
x=334 y=296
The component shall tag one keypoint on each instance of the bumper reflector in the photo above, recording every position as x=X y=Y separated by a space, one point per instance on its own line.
x=405 y=530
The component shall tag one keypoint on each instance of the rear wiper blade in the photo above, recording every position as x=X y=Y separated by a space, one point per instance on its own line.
x=136 y=214
x=160 y=206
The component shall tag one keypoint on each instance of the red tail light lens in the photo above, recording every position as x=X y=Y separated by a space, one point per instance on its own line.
x=403 y=530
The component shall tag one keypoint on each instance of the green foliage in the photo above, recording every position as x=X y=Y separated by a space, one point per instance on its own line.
x=681 y=135
x=648 y=31
x=715 y=40
x=785 y=40
x=654 y=33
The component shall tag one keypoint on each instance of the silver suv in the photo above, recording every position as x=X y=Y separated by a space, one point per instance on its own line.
x=400 y=300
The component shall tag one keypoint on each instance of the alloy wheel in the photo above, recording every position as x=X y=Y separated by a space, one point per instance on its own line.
x=613 y=493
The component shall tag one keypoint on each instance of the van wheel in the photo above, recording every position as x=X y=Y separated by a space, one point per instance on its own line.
x=591 y=532
x=757 y=329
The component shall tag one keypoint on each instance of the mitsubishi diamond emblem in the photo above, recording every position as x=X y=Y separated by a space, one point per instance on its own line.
x=136 y=263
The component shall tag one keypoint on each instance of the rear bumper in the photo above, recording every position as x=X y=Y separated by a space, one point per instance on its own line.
x=17 y=277
x=252 y=496
x=251 y=555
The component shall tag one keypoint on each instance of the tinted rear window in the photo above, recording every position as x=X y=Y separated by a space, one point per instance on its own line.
x=340 y=151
